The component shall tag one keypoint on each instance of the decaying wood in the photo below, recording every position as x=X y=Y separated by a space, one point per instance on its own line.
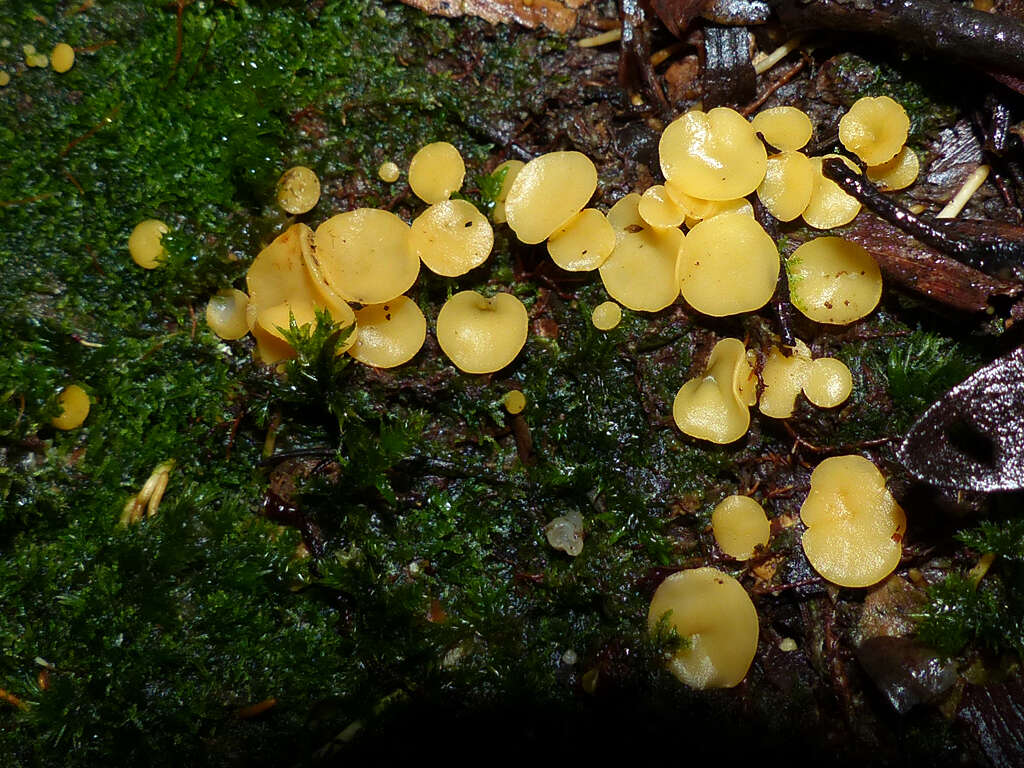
x=556 y=16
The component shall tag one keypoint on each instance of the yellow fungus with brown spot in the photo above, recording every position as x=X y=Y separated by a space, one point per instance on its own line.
x=829 y=205
x=712 y=406
x=436 y=171
x=714 y=155
x=834 y=281
x=606 y=315
x=389 y=334
x=784 y=377
x=898 y=173
x=711 y=610
x=323 y=295
x=785 y=128
x=145 y=246
x=226 y=314
x=547 y=192
x=451 y=237
x=658 y=209
x=389 y=172
x=829 y=382
x=728 y=264
x=855 y=528
x=583 y=243
x=479 y=334
x=787 y=186
x=511 y=169
x=625 y=217
x=641 y=271
x=740 y=526
x=874 y=129
x=514 y=401
x=298 y=190
x=62 y=58
x=73 y=406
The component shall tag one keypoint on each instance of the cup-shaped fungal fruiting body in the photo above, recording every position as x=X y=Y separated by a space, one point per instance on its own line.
x=787 y=186
x=226 y=314
x=740 y=526
x=714 y=406
x=785 y=128
x=828 y=383
x=452 y=237
x=390 y=334
x=834 y=281
x=783 y=376
x=829 y=205
x=73 y=404
x=479 y=334
x=298 y=190
x=874 y=129
x=145 y=246
x=898 y=173
x=436 y=171
x=641 y=271
x=547 y=192
x=583 y=243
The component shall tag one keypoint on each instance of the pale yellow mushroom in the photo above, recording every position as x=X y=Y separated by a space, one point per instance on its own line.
x=436 y=171
x=787 y=186
x=482 y=335
x=784 y=377
x=325 y=296
x=829 y=382
x=388 y=172
x=606 y=315
x=389 y=334
x=5 y=78
x=583 y=243
x=713 y=406
x=641 y=272
x=697 y=209
x=452 y=237
x=226 y=314
x=277 y=319
x=874 y=129
x=740 y=526
x=511 y=169
x=855 y=528
x=625 y=217
x=658 y=209
x=898 y=173
x=547 y=192
x=298 y=190
x=829 y=205
x=728 y=264
x=145 y=246
x=785 y=128
x=715 y=617
x=73 y=403
x=514 y=401
x=714 y=155
x=834 y=281
x=62 y=58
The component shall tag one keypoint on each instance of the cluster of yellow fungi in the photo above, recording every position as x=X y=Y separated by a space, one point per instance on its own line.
x=61 y=59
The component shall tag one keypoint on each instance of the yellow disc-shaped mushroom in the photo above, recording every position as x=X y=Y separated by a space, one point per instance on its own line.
x=874 y=129
x=834 y=281
x=785 y=128
x=452 y=237
x=855 y=528
x=511 y=169
x=828 y=383
x=73 y=403
x=436 y=171
x=898 y=173
x=366 y=255
x=388 y=172
x=145 y=246
x=658 y=209
x=389 y=334
x=641 y=272
x=711 y=610
x=829 y=205
x=514 y=401
x=713 y=407
x=547 y=192
x=783 y=376
x=482 y=335
x=714 y=155
x=606 y=315
x=740 y=526
x=625 y=217
x=226 y=314
x=728 y=264
x=787 y=186
x=62 y=58
x=583 y=243
x=322 y=294
x=298 y=190
x=276 y=320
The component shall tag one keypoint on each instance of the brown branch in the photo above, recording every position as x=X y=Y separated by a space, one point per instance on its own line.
x=784 y=78
x=107 y=120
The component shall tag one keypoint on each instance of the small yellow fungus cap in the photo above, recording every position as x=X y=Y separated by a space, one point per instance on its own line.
x=511 y=169
x=276 y=320
x=740 y=526
x=714 y=155
x=323 y=295
x=830 y=206
x=606 y=315
x=713 y=407
x=389 y=334
x=711 y=610
x=74 y=404
x=366 y=255
x=515 y=401
x=389 y=172
x=832 y=280
x=482 y=335
x=436 y=171
x=785 y=128
x=452 y=237
x=855 y=528
x=4 y=78
x=62 y=58
x=625 y=217
x=547 y=192
x=298 y=190
x=658 y=209
x=787 y=186
x=641 y=272
x=898 y=173
x=828 y=383
x=874 y=129
x=728 y=264
x=226 y=314
x=784 y=377
x=697 y=209
x=583 y=243
x=144 y=243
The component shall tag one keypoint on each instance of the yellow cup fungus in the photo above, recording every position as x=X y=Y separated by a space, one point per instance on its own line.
x=547 y=192
x=787 y=186
x=62 y=58
x=855 y=528
x=514 y=401
x=740 y=526
x=606 y=315
x=641 y=272
x=728 y=264
x=785 y=128
x=482 y=335
x=829 y=205
x=834 y=281
x=511 y=169
x=436 y=171
x=828 y=383
x=658 y=209
x=366 y=255
x=711 y=610
x=898 y=173
x=784 y=377
x=226 y=314
x=389 y=334
x=298 y=190
x=583 y=243
x=874 y=129
x=144 y=243
x=388 y=172
x=713 y=155
x=451 y=237
x=624 y=216
x=714 y=406
x=74 y=408
x=276 y=320
x=4 y=78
